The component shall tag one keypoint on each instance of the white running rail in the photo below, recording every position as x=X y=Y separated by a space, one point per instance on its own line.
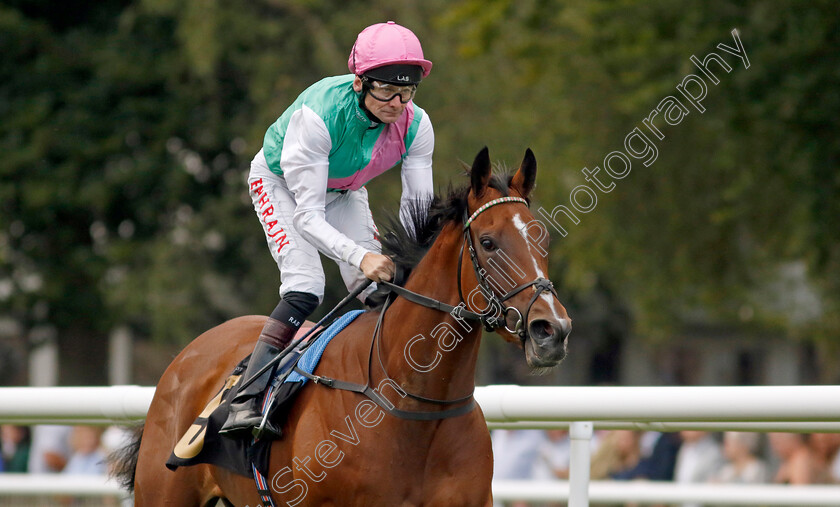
x=738 y=408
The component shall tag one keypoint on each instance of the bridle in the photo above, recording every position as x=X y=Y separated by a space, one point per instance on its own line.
x=492 y=322
x=500 y=317
x=495 y=316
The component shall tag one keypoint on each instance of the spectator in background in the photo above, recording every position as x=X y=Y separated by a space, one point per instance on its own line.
x=797 y=462
x=16 y=442
x=514 y=454
x=87 y=457
x=826 y=448
x=659 y=466
x=647 y=441
x=115 y=438
x=50 y=449
x=699 y=457
x=743 y=466
x=553 y=456
x=618 y=452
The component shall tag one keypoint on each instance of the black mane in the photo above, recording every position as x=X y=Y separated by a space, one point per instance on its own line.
x=426 y=219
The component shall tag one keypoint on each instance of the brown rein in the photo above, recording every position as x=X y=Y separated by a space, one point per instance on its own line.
x=491 y=323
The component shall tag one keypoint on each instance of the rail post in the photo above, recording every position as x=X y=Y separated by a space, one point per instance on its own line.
x=580 y=436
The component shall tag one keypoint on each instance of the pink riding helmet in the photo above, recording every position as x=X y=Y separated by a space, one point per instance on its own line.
x=386 y=44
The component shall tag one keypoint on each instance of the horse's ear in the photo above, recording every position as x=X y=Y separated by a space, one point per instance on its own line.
x=526 y=177
x=480 y=172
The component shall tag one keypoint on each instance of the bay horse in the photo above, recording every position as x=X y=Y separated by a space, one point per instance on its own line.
x=474 y=260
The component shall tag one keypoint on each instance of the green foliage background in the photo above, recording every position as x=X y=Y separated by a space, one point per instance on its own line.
x=128 y=126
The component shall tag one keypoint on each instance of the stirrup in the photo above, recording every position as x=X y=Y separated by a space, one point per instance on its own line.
x=251 y=426
x=266 y=430
x=239 y=424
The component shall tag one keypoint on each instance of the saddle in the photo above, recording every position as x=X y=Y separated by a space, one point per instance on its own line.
x=202 y=443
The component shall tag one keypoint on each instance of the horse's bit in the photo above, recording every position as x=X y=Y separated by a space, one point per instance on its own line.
x=498 y=319
x=492 y=322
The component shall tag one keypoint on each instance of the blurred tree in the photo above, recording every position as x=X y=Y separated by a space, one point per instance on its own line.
x=122 y=188
x=128 y=130
x=129 y=126
x=733 y=223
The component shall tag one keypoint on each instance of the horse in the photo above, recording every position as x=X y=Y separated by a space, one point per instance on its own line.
x=476 y=258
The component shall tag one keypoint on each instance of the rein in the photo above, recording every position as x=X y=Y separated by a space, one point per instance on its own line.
x=383 y=402
x=497 y=320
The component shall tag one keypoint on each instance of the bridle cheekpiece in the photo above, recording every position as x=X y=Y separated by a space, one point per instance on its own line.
x=498 y=319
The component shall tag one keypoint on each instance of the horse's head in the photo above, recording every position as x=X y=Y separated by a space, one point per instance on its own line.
x=509 y=252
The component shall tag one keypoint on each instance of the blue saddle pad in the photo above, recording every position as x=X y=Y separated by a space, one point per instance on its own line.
x=309 y=360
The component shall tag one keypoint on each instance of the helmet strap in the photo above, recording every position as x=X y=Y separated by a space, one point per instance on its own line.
x=372 y=117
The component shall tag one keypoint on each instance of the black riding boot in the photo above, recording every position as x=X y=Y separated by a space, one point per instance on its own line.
x=245 y=414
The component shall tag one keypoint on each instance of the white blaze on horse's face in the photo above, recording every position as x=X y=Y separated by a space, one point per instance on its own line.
x=548 y=324
x=525 y=291
x=523 y=230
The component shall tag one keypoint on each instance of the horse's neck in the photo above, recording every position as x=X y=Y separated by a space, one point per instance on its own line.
x=427 y=352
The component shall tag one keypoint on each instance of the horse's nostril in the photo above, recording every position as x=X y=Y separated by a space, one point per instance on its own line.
x=541 y=330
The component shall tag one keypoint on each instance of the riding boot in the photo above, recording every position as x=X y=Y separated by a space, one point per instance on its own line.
x=245 y=408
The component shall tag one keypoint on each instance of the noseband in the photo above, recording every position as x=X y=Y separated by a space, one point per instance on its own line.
x=495 y=316
x=499 y=318
x=492 y=322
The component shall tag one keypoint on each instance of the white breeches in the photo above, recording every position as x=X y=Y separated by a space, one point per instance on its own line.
x=299 y=262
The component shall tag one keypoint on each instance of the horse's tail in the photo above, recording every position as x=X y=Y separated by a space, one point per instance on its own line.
x=124 y=460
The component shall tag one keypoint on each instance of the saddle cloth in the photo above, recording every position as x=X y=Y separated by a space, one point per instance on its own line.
x=202 y=443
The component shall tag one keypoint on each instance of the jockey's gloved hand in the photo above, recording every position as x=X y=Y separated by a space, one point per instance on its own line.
x=377 y=267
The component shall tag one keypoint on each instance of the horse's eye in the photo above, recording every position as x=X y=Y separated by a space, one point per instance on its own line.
x=487 y=244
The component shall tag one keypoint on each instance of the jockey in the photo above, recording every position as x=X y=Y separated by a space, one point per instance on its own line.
x=307 y=185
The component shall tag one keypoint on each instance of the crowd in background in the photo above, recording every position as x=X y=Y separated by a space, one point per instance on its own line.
x=45 y=449
x=686 y=456
x=70 y=451
x=682 y=457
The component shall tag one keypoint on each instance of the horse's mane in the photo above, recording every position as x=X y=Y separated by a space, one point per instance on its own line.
x=425 y=220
